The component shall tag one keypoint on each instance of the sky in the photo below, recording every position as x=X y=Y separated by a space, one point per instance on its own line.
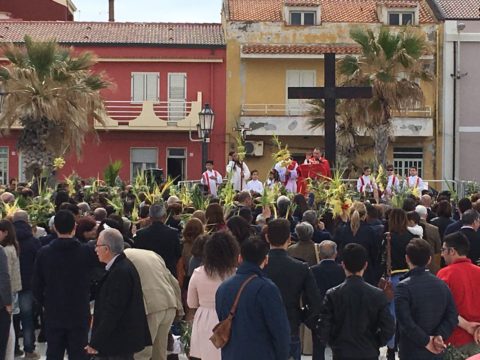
x=150 y=10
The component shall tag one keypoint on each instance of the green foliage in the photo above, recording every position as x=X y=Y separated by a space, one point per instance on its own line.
x=111 y=172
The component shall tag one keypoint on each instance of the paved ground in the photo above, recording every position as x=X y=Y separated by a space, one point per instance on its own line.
x=41 y=350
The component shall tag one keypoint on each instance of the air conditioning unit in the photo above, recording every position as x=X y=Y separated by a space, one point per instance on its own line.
x=254 y=148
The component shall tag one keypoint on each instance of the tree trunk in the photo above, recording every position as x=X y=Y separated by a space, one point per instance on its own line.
x=381 y=139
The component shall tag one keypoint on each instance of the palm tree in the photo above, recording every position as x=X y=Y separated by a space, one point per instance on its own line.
x=391 y=63
x=55 y=98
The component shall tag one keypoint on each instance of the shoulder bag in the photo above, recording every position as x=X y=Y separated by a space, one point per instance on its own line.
x=385 y=284
x=222 y=331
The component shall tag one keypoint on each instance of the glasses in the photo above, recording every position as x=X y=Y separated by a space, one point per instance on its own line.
x=99 y=245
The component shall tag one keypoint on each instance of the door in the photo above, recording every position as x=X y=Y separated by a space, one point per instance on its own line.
x=299 y=78
x=176 y=164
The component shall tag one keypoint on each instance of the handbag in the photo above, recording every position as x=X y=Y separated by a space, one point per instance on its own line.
x=222 y=331
x=385 y=284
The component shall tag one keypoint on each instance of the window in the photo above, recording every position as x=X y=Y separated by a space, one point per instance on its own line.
x=299 y=78
x=404 y=158
x=4 y=165
x=145 y=87
x=176 y=163
x=142 y=159
x=177 y=96
x=302 y=18
x=401 y=18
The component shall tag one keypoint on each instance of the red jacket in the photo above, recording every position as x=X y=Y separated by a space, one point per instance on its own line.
x=462 y=277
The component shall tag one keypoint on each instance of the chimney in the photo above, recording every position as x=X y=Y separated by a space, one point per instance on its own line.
x=111 y=10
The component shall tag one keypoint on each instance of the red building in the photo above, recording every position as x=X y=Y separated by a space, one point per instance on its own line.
x=45 y=10
x=164 y=74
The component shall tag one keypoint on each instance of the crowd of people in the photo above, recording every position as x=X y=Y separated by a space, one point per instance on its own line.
x=105 y=286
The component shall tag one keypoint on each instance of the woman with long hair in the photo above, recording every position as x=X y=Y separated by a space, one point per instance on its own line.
x=10 y=245
x=300 y=207
x=357 y=230
x=86 y=229
x=444 y=216
x=399 y=239
x=219 y=263
x=215 y=218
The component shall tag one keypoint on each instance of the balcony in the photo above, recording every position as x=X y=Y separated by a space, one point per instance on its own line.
x=292 y=120
x=152 y=116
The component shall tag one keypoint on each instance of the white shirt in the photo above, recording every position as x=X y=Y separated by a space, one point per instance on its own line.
x=255 y=186
x=110 y=263
x=212 y=183
x=393 y=183
x=368 y=184
x=412 y=182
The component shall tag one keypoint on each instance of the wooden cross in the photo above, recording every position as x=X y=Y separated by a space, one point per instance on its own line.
x=330 y=92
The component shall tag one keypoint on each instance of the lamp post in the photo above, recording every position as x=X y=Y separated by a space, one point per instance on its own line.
x=206 y=119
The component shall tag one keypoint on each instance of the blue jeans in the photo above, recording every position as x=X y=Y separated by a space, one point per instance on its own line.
x=395 y=279
x=295 y=348
x=25 y=301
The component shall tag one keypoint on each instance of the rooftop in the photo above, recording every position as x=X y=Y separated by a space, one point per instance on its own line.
x=457 y=9
x=111 y=33
x=353 y=11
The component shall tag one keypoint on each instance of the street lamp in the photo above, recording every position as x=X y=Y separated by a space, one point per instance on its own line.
x=206 y=119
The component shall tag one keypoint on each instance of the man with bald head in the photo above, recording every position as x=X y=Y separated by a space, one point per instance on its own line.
x=28 y=248
x=120 y=326
x=327 y=274
x=426 y=200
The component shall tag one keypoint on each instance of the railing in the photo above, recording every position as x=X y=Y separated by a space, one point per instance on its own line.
x=125 y=111
x=303 y=110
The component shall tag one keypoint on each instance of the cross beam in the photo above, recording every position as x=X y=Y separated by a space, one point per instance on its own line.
x=330 y=93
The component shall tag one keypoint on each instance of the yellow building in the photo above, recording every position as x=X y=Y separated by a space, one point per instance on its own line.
x=276 y=44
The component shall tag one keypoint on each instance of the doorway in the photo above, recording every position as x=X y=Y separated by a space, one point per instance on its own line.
x=176 y=164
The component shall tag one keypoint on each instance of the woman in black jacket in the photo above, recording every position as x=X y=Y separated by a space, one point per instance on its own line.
x=399 y=239
x=357 y=230
x=444 y=218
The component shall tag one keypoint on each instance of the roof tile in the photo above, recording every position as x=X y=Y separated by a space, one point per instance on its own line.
x=355 y=11
x=316 y=49
x=459 y=9
x=70 y=32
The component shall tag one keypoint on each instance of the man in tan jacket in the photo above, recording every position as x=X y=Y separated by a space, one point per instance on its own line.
x=432 y=235
x=161 y=294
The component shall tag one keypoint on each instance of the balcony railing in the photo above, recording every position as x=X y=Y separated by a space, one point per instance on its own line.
x=150 y=115
x=125 y=111
x=282 y=110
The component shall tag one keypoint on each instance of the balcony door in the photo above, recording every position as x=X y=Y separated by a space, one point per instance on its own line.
x=177 y=96
x=299 y=78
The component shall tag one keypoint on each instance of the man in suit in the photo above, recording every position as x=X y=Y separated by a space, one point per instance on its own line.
x=426 y=200
x=327 y=274
x=355 y=319
x=463 y=205
x=424 y=307
x=161 y=294
x=293 y=278
x=471 y=224
x=61 y=284
x=160 y=238
x=431 y=234
x=120 y=326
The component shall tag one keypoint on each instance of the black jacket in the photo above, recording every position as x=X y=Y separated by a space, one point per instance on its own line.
x=120 y=323
x=442 y=223
x=424 y=307
x=61 y=282
x=163 y=240
x=295 y=280
x=474 y=240
x=29 y=246
x=453 y=227
x=399 y=244
x=327 y=274
x=355 y=319
x=366 y=237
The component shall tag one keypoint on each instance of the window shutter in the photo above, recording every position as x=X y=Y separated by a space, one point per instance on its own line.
x=138 y=86
x=152 y=85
